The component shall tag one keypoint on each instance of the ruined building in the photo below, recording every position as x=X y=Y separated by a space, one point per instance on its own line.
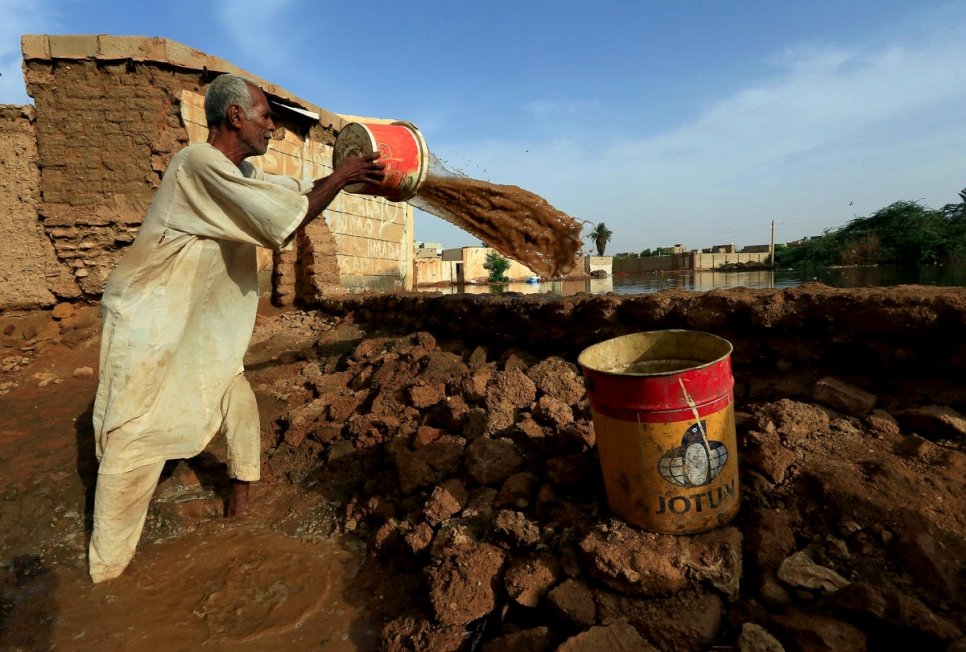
x=79 y=168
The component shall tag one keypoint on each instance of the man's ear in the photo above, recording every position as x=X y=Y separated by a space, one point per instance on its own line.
x=235 y=116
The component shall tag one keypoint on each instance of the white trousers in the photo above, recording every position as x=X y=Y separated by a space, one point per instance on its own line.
x=121 y=499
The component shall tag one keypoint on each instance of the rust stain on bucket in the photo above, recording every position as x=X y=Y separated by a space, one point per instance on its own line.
x=663 y=411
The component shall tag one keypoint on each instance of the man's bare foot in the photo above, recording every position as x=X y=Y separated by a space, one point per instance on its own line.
x=237 y=499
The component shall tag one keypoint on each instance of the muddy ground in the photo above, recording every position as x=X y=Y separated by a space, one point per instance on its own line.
x=431 y=483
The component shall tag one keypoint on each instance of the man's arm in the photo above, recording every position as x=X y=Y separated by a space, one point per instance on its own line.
x=355 y=169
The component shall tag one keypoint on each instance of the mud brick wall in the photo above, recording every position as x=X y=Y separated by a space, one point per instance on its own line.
x=30 y=274
x=110 y=112
x=104 y=137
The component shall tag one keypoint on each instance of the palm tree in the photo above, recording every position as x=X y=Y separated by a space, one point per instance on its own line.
x=600 y=236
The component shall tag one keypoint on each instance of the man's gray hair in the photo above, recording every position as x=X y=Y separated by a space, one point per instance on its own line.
x=224 y=91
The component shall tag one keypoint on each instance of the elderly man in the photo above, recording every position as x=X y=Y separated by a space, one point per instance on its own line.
x=179 y=312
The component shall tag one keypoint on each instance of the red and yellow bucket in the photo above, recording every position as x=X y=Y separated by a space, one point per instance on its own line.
x=663 y=410
x=401 y=149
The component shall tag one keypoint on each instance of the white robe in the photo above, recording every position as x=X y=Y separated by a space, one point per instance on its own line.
x=180 y=307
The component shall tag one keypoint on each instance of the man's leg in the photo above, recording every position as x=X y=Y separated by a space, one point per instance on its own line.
x=241 y=429
x=120 y=506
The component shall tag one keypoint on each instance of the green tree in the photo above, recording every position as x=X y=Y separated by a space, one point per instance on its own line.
x=600 y=236
x=497 y=266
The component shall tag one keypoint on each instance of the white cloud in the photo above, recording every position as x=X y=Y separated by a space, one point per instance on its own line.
x=832 y=125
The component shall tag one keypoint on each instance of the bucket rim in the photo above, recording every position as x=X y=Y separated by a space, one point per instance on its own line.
x=423 y=154
x=581 y=358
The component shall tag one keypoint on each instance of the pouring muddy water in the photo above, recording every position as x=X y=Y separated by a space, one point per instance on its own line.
x=517 y=223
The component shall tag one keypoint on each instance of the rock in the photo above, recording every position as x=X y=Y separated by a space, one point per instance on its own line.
x=446 y=500
x=516 y=528
x=425 y=435
x=933 y=422
x=794 y=421
x=477 y=358
x=341 y=407
x=518 y=491
x=451 y=413
x=817 y=633
x=83 y=372
x=891 y=610
x=798 y=570
x=419 y=539
x=423 y=396
x=915 y=447
x=553 y=412
x=442 y=366
x=406 y=634
x=527 y=579
x=936 y=564
x=764 y=452
x=428 y=465
x=463 y=582
x=491 y=461
x=573 y=603
x=843 y=397
x=499 y=420
x=535 y=639
x=755 y=638
x=62 y=310
x=512 y=388
x=615 y=637
x=882 y=422
x=634 y=562
x=473 y=387
x=769 y=538
x=689 y=621
x=558 y=379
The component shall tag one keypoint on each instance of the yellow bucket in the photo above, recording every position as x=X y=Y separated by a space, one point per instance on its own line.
x=663 y=411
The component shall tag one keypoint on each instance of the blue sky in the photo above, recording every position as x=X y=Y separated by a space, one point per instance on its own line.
x=673 y=121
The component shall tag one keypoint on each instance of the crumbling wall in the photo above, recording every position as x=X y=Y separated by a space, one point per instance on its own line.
x=104 y=137
x=110 y=117
x=30 y=274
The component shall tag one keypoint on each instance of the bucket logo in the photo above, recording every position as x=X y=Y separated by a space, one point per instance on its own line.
x=693 y=464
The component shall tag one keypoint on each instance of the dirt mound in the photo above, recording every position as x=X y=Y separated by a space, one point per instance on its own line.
x=451 y=437
x=472 y=467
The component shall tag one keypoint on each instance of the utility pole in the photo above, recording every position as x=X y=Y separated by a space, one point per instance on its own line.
x=771 y=247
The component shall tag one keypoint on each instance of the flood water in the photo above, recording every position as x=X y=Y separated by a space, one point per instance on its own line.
x=647 y=282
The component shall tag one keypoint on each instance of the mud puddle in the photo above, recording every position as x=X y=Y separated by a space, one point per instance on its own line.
x=225 y=584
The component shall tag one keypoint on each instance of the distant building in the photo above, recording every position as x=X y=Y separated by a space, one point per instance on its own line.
x=427 y=249
x=721 y=249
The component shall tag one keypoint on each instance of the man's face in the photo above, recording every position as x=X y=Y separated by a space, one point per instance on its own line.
x=256 y=132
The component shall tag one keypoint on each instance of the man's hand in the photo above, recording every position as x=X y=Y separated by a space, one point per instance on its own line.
x=365 y=168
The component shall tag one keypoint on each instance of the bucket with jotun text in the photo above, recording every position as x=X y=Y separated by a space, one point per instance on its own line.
x=402 y=150
x=663 y=411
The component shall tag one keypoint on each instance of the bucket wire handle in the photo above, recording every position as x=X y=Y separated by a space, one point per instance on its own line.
x=697 y=417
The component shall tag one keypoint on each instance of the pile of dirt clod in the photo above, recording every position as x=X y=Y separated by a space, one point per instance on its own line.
x=472 y=466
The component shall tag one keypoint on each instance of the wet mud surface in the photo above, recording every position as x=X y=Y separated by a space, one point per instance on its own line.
x=430 y=482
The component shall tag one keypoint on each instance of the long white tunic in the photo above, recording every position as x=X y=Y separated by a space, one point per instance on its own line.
x=180 y=307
